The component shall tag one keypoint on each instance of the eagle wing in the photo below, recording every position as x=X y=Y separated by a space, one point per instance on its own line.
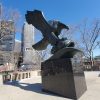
x=37 y=19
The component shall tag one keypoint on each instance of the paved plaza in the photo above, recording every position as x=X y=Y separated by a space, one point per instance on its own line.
x=30 y=89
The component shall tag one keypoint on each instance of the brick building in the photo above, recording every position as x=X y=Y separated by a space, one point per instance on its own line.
x=96 y=64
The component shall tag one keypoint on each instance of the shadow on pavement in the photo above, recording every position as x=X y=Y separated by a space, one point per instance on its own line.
x=37 y=87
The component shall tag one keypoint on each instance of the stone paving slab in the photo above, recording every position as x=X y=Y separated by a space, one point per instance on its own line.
x=30 y=89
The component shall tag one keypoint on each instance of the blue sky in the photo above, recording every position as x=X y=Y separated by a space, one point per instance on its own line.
x=67 y=11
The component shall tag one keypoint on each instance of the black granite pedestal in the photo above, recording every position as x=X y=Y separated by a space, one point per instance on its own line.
x=63 y=77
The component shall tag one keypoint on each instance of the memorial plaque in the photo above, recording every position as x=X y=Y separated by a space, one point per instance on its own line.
x=60 y=77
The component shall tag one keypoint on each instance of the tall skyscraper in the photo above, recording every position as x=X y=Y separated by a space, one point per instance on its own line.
x=27 y=41
x=7 y=35
x=7 y=41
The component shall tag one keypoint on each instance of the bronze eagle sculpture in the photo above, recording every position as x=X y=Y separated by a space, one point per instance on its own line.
x=50 y=31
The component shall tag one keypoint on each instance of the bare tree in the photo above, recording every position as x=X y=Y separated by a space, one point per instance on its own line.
x=7 y=14
x=44 y=54
x=90 y=35
x=69 y=34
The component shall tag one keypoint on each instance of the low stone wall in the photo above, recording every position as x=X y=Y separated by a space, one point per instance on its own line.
x=19 y=75
x=25 y=74
x=1 y=80
x=35 y=73
x=22 y=75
